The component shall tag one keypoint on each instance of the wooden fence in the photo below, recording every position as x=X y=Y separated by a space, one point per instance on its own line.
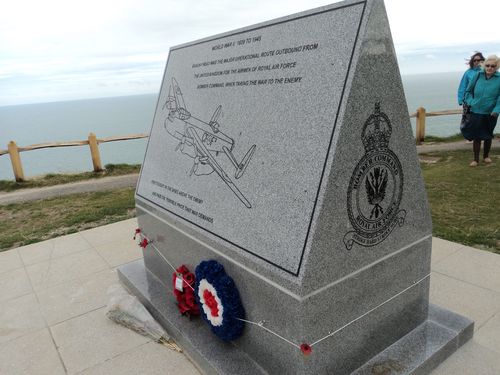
x=421 y=115
x=93 y=142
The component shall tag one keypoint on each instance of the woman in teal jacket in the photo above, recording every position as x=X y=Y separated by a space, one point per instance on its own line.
x=474 y=66
x=483 y=97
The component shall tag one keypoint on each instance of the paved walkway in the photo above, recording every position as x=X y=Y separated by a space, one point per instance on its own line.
x=53 y=303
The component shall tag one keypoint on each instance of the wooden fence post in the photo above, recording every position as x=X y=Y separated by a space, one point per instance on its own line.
x=420 y=128
x=15 y=159
x=94 y=152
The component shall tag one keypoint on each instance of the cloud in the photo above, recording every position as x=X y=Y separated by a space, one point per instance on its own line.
x=59 y=47
x=442 y=59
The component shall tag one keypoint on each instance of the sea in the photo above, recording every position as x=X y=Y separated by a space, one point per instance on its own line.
x=29 y=124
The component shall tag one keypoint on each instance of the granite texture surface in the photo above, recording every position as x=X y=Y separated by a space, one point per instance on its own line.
x=373 y=78
x=391 y=297
x=375 y=81
x=210 y=355
x=328 y=234
x=417 y=352
x=289 y=121
x=424 y=348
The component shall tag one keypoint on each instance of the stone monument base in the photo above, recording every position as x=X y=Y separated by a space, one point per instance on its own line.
x=418 y=352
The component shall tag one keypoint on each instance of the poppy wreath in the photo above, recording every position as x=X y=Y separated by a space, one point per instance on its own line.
x=186 y=301
x=219 y=299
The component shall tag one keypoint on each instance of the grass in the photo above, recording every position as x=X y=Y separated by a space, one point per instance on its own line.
x=451 y=138
x=464 y=200
x=56 y=179
x=25 y=223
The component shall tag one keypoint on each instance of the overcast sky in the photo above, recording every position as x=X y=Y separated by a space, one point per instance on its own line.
x=54 y=50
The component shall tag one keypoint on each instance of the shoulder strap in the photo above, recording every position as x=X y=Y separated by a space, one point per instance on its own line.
x=476 y=78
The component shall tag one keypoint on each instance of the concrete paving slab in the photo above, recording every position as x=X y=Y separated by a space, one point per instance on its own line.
x=71 y=283
x=36 y=252
x=53 y=248
x=19 y=317
x=471 y=359
x=441 y=249
x=14 y=284
x=91 y=339
x=472 y=301
x=119 y=252
x=34 y=353
x=70 y=243
x=151 y=358
x=77 y=297
x=61 y=270
x=10 y=260
x=489 y=334
x=480 y=257
x=473 y=266
x=122 y=230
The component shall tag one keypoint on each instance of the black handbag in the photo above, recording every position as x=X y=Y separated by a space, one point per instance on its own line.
x=465 y=122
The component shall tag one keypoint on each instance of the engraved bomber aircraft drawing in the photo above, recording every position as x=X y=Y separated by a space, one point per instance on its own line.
x=203 y=141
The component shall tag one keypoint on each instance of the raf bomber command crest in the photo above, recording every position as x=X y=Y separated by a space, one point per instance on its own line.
x=376 y=186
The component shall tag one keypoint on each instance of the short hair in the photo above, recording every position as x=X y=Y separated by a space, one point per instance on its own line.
x=471 y=60
x=494 y=59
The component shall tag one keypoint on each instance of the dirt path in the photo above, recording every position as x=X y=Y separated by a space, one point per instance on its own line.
x=460 y=145
x=105 y=183
x=110 y=183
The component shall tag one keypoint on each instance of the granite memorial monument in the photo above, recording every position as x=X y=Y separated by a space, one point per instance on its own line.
x=284 y=152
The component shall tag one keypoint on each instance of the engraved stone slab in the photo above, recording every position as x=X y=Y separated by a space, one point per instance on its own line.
x=267 y=97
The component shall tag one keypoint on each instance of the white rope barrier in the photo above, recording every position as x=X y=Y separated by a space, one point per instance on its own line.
x=261 y=323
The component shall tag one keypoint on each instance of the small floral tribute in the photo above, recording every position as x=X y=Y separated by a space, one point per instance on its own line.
x=306 y=349
x=144 y=243
x=183 y=282
x=211 y=293
x=220 y=300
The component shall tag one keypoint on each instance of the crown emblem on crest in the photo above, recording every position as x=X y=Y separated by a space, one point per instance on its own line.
x=376 y=131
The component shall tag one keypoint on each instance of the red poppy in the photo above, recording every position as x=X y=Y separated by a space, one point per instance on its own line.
x=184 y=293
x=306 y=349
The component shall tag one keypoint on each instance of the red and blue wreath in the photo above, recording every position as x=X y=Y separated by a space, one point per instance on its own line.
x=219 y=299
